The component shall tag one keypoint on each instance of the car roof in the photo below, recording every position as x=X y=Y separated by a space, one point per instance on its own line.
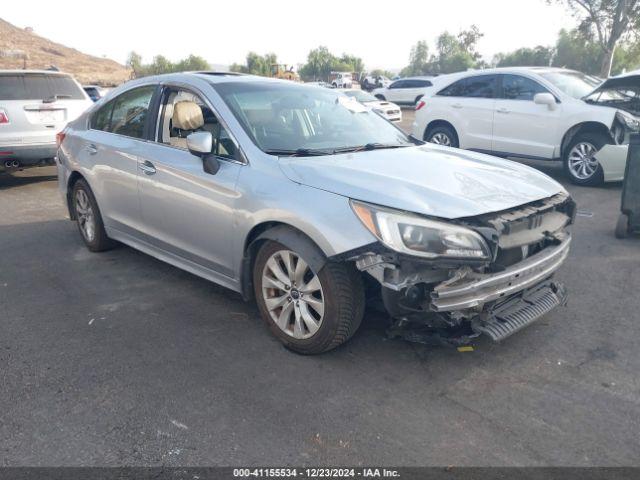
x=48 y=72
x=417 y=77
x=488 y=71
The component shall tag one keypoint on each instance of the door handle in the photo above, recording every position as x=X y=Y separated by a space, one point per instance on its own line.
x=457 y=105
x=147 y=167
x=502 y=110
x=91 y=149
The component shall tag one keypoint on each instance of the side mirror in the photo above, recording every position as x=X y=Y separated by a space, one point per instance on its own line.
x=200 y=144
x=545 y=99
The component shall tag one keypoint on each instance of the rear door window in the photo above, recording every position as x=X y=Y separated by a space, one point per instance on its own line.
x=130 y=112
x=481 y=86
x=38 y=86
x=398 y=84
x=422 y=83
x=101 y=120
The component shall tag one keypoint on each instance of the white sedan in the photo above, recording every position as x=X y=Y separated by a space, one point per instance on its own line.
x=388 y=110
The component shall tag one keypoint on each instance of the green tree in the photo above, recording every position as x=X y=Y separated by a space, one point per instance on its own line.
x=611 y=22
x=578 y=50
x=162 y=64
x=539 y=56
x=134 y=62
x=192 y=63
x=256 y=64
x=418 y=60
x=454 y=53
x=355 y=63
x=319 y=64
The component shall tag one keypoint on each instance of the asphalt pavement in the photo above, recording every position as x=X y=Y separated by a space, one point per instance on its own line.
x=117 y=358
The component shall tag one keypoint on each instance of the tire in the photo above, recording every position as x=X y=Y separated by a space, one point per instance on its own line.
x=85 y=209
x=418 y=98
x=341 y=293
x=593 y=174
x=380 y=97
x=622 y=226
x=442 y=135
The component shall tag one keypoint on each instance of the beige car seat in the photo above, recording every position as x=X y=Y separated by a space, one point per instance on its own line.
x=187 y=117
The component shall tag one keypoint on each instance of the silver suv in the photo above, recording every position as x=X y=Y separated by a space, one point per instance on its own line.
x=312 y=204
x=34 y=107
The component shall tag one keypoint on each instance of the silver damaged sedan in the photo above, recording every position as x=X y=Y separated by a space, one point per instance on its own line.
x=314 y=205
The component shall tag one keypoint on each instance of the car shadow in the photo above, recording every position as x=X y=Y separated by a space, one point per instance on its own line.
x=25 y=177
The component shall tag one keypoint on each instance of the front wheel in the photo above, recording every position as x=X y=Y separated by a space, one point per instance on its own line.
x=580 y=163
x=310 y=312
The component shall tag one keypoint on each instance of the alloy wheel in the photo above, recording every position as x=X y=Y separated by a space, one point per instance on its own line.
x=85 y=215
x=582 y=163
x=441 y=139
x=292 y=294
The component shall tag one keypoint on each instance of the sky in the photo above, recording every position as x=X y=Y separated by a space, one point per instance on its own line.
x=223 y=32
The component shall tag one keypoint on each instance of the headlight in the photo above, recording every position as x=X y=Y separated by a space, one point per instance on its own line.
x=415 y=235
x=629 y=121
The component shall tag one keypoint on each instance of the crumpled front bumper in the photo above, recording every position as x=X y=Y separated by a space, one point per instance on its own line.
x=613 y=159
x=476 y=289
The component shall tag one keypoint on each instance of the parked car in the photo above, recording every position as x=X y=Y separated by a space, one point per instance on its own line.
x=369 y=82
x=536 y=112
x=34 y=106
x=95 y=92
x=299 y=197
x=407 y=91
x=341 y=79
x=388 y=110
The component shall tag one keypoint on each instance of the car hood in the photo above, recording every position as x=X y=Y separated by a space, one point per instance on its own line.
x=381 y=103
x=631 y=81
x=428 y=179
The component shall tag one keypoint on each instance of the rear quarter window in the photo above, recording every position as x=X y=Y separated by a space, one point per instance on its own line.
x=38 y=86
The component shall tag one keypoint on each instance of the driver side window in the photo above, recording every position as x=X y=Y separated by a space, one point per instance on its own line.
x=184 y=113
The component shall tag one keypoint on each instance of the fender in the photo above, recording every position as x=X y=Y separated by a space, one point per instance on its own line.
x=289 y=237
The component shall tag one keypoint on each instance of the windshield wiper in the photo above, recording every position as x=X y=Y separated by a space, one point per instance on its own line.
x=300 y=152
x=369 y=146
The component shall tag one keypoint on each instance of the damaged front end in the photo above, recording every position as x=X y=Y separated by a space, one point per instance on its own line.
x=455 y=293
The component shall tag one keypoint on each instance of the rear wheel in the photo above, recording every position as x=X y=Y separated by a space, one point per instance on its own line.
x=442 y=135
x=380 y=97
x=310 y=312
x=89 y=219
x=580 y=163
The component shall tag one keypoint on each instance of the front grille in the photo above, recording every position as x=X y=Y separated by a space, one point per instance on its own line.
x=515 y=315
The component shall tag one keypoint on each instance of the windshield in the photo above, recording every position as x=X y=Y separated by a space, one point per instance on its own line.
x=360 y=96
x=574 y=84
x=282 y=118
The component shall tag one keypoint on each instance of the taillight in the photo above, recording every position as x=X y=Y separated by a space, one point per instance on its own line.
x=60 y=137
x=4 y=118
x=420 y=104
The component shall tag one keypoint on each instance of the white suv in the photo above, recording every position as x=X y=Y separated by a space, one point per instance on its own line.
x=534 y=112
x=34 y=107
x=405 y=90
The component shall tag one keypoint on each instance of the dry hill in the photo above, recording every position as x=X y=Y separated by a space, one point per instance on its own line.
x=41 y=53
